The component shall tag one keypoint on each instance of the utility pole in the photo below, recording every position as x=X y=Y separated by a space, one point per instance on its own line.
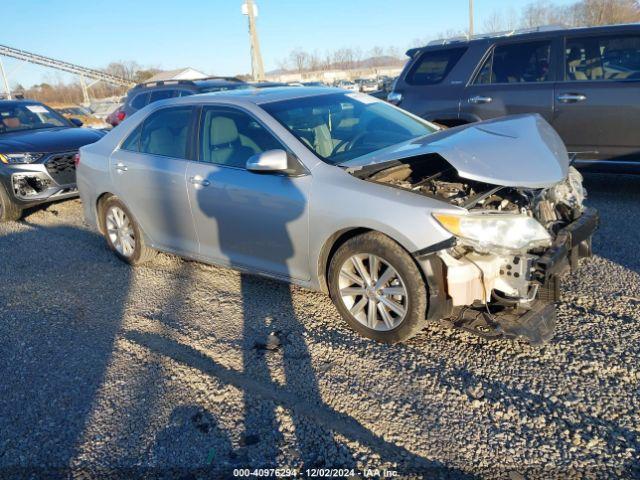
x=257 y=67
x=470 y=18
x=6 y=81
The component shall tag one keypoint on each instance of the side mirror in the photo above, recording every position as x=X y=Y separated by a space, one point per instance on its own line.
x=76 y=121
x=271 y=161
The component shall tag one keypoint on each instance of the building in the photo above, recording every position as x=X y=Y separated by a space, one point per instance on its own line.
x=179 y=74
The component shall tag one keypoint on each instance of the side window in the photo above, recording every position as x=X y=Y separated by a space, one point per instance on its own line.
x=602 y=58
x=132 y=143
x=229 y=137
x=161 y=95
x=140 y=101
x=517 y=63
x=166 y=132
x=433 y=67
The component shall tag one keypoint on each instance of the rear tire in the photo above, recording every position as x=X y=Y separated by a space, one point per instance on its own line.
x=377 y=288
x=9 y=211
x=122 y=233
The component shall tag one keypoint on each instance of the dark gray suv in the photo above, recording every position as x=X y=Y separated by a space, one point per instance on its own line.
x=584 y=81
x=145 y=93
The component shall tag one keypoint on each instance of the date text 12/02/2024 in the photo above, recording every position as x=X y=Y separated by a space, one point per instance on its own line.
x=314 y=472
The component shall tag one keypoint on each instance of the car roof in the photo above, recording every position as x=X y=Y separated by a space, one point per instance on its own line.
x=193 y=84
x=217 y=82
x=263 y=96
x=525 y=34
x=11 y=103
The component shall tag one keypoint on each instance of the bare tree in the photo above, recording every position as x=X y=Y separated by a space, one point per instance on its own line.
x=394 y=52
x=299 y=59
x=542 y=12
x=605 y=12
x=493 y=23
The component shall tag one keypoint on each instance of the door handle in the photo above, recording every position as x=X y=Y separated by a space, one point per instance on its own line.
x=199 y=181
x=121 y=167
x=480 y=99
x=571 y=97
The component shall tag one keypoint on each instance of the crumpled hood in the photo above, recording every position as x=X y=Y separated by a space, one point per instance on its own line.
x=48 y=140
x=515 y=151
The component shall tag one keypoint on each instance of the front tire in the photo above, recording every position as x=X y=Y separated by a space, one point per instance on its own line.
x=9 y=211
x=378 y=289
x=122 y=233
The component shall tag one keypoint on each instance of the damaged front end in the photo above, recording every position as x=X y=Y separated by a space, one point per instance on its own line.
x=500 y=273
x=51 y=177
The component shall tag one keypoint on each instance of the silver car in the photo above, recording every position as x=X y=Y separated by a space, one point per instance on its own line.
x=400 y=221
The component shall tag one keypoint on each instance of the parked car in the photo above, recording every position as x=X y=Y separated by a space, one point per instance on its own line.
x=347 y=85
x=584 y=81
x=145 y=93
x=102 y=108
x=313 y=84
x=401 y=222
x=37 y=152
x=116 y=116
x=367 y=85
x=83 y=114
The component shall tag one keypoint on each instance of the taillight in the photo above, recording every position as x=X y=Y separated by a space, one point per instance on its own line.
x=76 y=159
x=121 y=115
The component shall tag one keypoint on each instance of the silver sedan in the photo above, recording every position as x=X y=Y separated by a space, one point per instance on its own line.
x=400 y=221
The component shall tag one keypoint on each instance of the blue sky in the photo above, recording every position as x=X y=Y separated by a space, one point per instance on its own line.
x=211 y=35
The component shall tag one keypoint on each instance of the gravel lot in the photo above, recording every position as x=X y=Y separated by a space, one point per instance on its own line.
x=162 y=370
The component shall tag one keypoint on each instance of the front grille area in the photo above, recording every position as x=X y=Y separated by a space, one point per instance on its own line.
x=62 y=167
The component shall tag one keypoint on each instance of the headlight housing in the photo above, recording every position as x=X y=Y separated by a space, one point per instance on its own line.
x=16 y=158
x=496 y=232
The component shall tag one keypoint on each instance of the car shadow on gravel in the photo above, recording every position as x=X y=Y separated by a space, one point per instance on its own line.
x=316 y=412
x=617 y=198
x=56 y=341
x=315 y=423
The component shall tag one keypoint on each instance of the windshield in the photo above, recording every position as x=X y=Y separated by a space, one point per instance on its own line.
x=343 y=126
x=23 y=116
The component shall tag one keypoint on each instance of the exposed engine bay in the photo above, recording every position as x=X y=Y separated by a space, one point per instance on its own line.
x=487 y=284
x=559 y=204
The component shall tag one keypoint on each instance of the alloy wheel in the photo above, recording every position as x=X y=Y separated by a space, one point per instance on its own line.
x=120 y=231
x=373 y=291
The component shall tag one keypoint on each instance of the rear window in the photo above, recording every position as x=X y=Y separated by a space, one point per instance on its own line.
x=161 y=95
x=140 y=101
x=433 y=67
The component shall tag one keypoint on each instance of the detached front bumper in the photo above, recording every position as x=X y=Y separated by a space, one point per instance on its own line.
x=463 y=294
x=571 y=244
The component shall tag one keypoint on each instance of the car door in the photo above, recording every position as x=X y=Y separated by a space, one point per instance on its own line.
x=243 y=219
x=148 y=173
x=514 y=77
x=597 y=110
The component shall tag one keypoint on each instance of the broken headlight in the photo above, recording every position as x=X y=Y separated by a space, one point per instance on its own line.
x=14 y=158
x=496 y=232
